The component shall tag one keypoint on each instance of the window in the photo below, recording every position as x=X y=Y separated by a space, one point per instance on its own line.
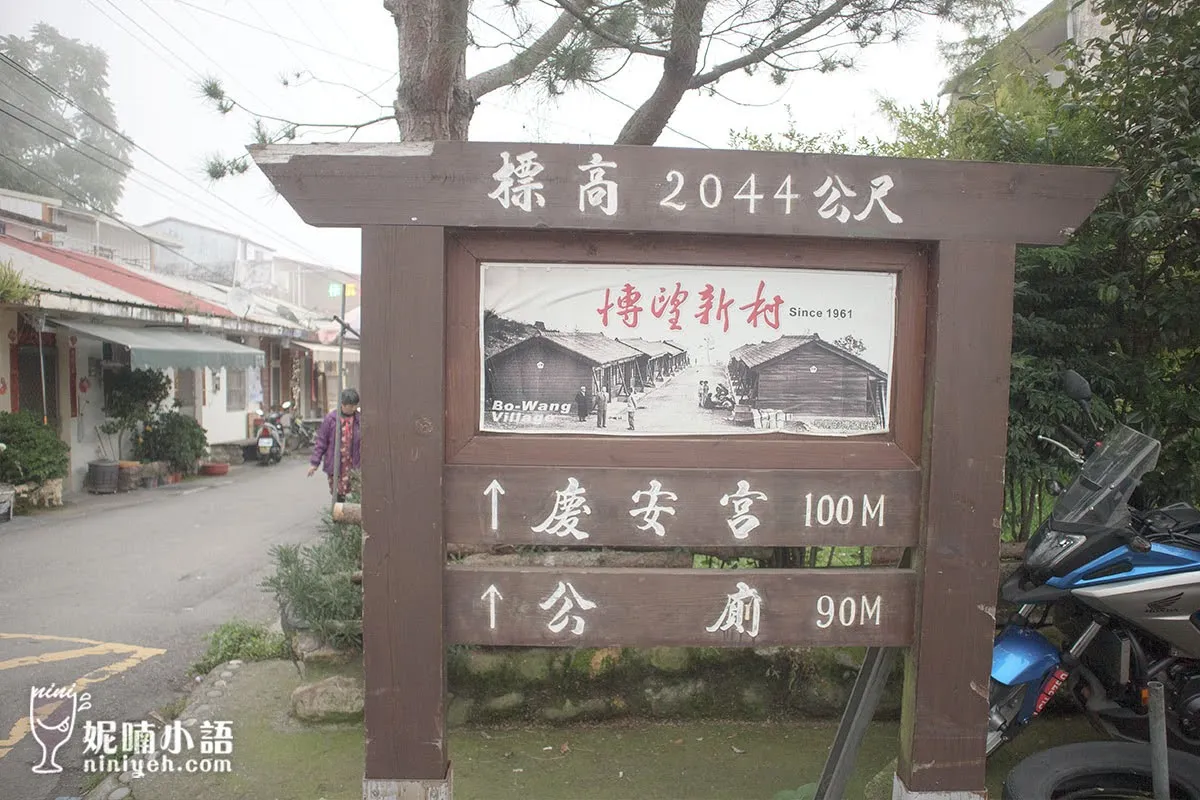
x=276 y=374
x=235 y=390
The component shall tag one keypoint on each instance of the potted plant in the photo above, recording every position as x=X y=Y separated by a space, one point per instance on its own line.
x=176 y=439
x=133 y=396
x=34 y=460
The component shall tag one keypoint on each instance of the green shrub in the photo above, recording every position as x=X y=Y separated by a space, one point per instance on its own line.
x=312 y=583
x=174 y=438
x=241 y=640
x=132 y=397
x=34 y=451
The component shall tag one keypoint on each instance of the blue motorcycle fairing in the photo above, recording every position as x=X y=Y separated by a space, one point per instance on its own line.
x=1162 y=559
x=1022 y=655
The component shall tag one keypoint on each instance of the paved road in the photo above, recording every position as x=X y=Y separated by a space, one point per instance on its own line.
x=674 y=407
x=140 y=578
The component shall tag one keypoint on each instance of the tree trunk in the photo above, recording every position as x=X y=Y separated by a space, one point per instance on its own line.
x=679 y=66
x=432 y=101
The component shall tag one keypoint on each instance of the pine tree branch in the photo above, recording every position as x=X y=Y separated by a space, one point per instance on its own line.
x=679 y=67
x=524 y=63
x=773 y=46
x=589 y=25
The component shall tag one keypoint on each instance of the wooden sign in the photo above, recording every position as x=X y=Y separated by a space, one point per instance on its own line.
x=569 y=186
x=541 y=606
x=598 y=507
x=903 y=446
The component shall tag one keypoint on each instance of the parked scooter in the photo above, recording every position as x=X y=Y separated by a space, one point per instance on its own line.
x=1123 y=585
x=271 y=446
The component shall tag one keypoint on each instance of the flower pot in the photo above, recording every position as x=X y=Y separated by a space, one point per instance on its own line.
x=149 y=481
x=214 y=469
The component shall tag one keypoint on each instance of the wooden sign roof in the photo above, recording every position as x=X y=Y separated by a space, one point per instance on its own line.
x=665 y=189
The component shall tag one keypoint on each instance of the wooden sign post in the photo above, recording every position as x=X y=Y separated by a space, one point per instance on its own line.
x=511 y=290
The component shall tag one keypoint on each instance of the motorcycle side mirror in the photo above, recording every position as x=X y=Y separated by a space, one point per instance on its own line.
x=1077 y=388
x=1054 y=487
x=287 y=404
x=258 y=411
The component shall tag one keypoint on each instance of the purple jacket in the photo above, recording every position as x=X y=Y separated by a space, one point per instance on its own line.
x=326 y=445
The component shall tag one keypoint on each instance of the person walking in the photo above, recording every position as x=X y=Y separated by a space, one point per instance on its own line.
x=602 y=408
x=339 y=438
x=630 y=407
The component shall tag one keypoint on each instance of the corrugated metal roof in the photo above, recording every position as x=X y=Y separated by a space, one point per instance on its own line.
x=45 y=274
x=674 y=347
x=652 y=349
x=136 y=287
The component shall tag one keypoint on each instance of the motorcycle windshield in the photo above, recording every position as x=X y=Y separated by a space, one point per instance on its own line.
x=1099 y=494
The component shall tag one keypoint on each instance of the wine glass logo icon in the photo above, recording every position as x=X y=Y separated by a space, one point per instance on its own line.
x=53 y=722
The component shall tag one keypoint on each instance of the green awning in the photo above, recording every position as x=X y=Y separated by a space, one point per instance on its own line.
x=165 y=348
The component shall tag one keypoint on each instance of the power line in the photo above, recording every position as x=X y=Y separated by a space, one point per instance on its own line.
x=133 y=36
x=58 y=93
x=210 y=59
x=281 y=36
x=109 y=167
x=85 y=204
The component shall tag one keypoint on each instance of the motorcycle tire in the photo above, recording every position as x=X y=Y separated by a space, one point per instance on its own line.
x=1099 y=769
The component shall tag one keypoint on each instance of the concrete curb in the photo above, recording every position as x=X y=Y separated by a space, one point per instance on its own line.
x=211 y=687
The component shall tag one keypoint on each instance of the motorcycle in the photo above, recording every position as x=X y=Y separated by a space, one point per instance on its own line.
x=270 y=436
x=299 y=435
x=1121 y=583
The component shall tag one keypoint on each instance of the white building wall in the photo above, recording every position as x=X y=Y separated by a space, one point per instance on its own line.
x=223 y=425
x=81 y=431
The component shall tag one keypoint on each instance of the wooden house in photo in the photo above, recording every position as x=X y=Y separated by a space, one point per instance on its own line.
x=679 y=356
x=550 y=366
x=806 y=378
x=654 y=362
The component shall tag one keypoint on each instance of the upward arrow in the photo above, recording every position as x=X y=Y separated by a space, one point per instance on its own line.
x=494 y=490
x=492 y=594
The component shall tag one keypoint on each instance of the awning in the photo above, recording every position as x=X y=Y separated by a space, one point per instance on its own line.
x=165 y=348
x=329 y=352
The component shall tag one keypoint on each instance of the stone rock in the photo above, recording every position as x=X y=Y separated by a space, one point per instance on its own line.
x=603 y=660
x=213 y=693
x=46 y=495
x=669 y=659
x=672 y=699
x=119 y=794
x=588 y=709
x=482 y=662
x=125 y=777
x=505 y=703
x=334 y=699
x=226 y=674
x=754 y=701
x=534 y=664
x=458 y=712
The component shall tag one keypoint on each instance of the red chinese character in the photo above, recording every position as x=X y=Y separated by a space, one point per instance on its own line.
x=659 y=304
x=769 y=312
x=706 y=306
x=604 y=309
x=627 y=307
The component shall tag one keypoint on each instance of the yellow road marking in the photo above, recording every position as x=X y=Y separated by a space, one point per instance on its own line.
x=65 y=655
x=136 y=655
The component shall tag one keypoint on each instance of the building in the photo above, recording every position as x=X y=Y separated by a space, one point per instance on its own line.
x=679 y=356
x=313 y=286
x=809 y=380
x=655 y=362
x=1033 y=49
x=34 y=218
x=550 y=366
x=205 y=253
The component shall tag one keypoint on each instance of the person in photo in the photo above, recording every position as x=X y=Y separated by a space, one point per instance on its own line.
x=581 y=404
x=602 y=408
x=631 y=407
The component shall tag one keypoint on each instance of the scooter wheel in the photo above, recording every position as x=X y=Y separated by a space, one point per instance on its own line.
x=1089 y=770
